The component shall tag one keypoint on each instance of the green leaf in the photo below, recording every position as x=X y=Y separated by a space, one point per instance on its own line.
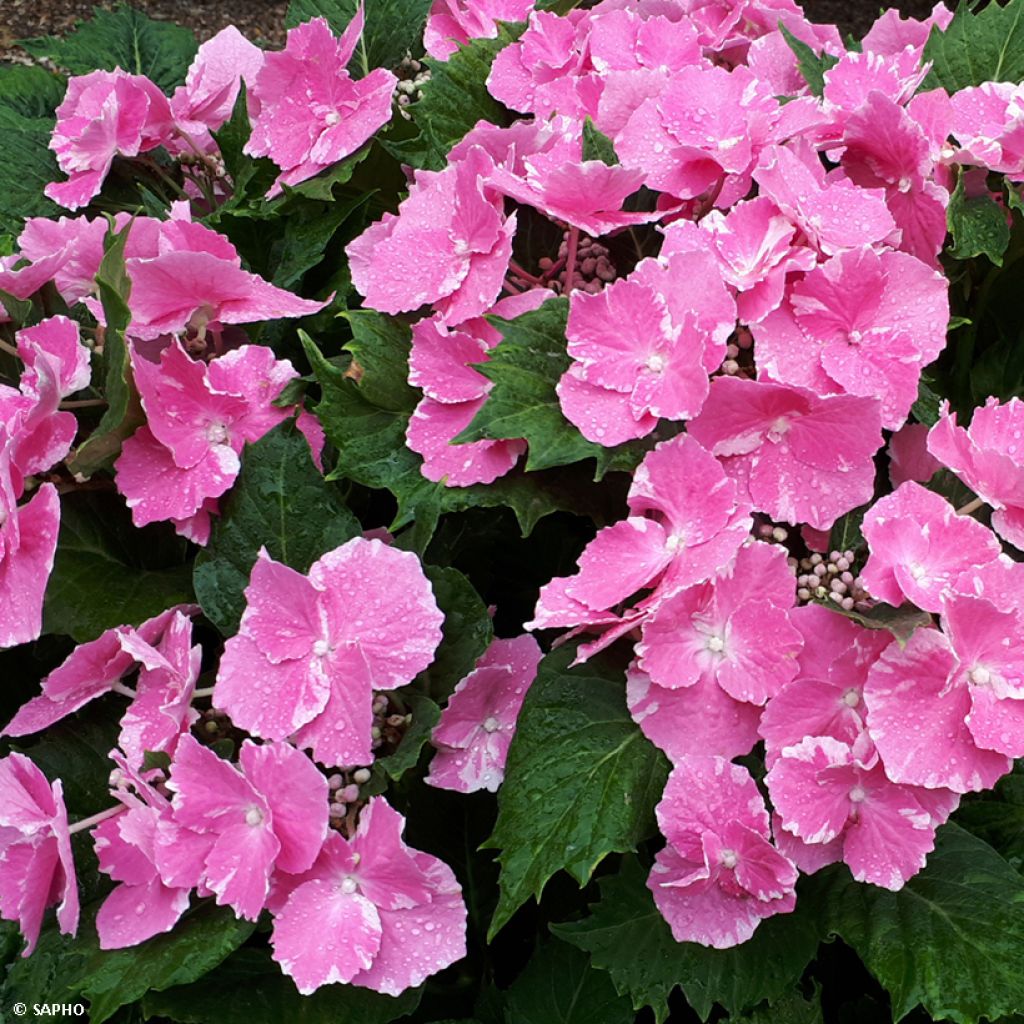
x=952 y=939
x=251 y=178
x=380 y=347
x=27 y=167
x=525 y=368
x=281 y=502
x=393 y=28
x=560 y=987
x=370 y=439
x=425 y=715
x=626 y=936
x=901 y=621
x=791 y=1008
x=846 y=531
x=926 y=409
x=199 y=941
x=452 y=101
x=108 y=573
x=997 y=816
x=249 y=988
x=31 y=91
x=977 y=46
x=581 y=780
x=597 y=145
x=121 y=38
x=811 y=66
x=124 y=410
x=977 y=225
x=321 y=186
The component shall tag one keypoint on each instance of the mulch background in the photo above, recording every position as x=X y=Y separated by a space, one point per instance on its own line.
x=264 y=19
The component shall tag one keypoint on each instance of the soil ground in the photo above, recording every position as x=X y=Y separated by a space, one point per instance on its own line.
x=264 y=19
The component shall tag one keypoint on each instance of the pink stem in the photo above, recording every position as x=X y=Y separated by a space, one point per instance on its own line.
x=80 y=826
x=525 y=275
x=570 y=259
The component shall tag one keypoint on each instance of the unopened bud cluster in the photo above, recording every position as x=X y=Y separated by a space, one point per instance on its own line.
x=593 y=269
x=412 y=76
x=831 y=578
x=344 y=795
x=739 y=355
x=389 y=726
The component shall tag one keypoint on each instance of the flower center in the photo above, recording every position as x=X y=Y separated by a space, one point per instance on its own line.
x=253 y=817
x=980 y=676
x=716 y=644
x=674 y=542
x=857 y=795
x=332 y=118
x=217 y=433
x=728 y=858
x=348 y=885
x=851 y=698
x=778 y=429
x=491 y=724
x=656 y=363
x=321 y=648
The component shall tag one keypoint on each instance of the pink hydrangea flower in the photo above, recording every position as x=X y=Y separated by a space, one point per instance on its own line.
x=920 y=547
x=449 y=245
x=28 y=543
x=199 y=417
x=734 y=629
x=441 y=363
x=312 y=113
x=687 y=522
x=453 y=23
x=104 y=114
x=36 y=866
x=58 y=338
x=909 y=458
x=827 y=696
x=938 y=722
x=371 y=911
x=311 y=649
x=796 y=452
x=477 y=725
x=833 y=213
x=96 y=668
x=989 y=457
x=825 y=790
x=719 y=876
x=207 y=98
x=269 y=814
x=986 y=123
x=687 y=720
x=891 y=33
x=870 y=321
x=707 y=123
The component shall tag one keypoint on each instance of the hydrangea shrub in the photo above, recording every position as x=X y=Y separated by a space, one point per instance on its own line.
x=513 y=513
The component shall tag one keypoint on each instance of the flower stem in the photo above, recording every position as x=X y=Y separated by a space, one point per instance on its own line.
x=971 y=506
x=570 y=259
x=524 y=274
x=9 y=349
x=80 y=826
x=206 y=691
x=84 y=403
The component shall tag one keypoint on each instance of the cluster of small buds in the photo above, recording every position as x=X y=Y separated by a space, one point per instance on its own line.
x=412 y=76
x=832 y=579
x=593 y=269
x=344 y=795
x=739 y=355
x=388 y=726
x=772 y=534
x=214 y=725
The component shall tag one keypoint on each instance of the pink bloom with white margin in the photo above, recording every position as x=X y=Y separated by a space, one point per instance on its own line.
x=96 y=668
x=827 y=696
x=477 y=726
x=825 y=790
x=58 y=338
x=909 y=458
x=687 y=522
x=441 y=363
x=719 y=876
x=989 y=457
x=453 y=23
x=920 y=546
x=199 y=417
x=892 y=33
x=733 y=629
x=688 y=720
x=449 y=245
x=987 y=124
x=832 y=212
x=643 y=347
x=36 y=865
x=870 y=320
x=707 y=124
x=207 y=98
x=128 y=847
x=802 y=458
x=922 y=715
x=359 y=914
x=28 y=543
x=311 y=649
x=268 y=815
x=104 y=114
x=312 y=113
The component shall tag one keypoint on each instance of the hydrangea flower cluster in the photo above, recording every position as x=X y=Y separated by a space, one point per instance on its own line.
x=742 y=267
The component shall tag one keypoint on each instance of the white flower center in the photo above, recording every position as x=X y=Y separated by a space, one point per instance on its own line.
x=332 y=118
x=656 y=363
x=980 y=676
x=778 y=429
x=491 y=724
x=320 y=648
x=728 y=858
x=253 y=817
x=716 y=644
x=348 y=885
x=217 y=433
x=674 y=542
x=851 y=698
x=857 y=795
x=917 y=570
